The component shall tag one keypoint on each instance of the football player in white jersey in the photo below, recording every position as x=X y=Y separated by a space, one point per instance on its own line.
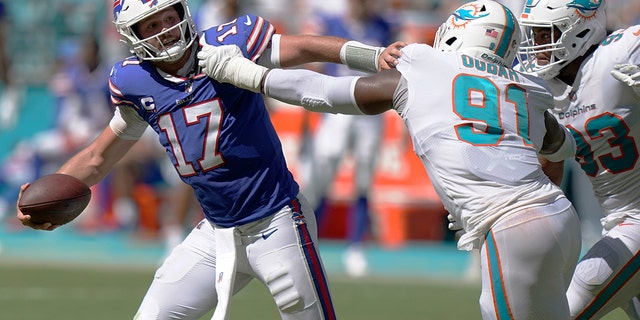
x=594 y=78
x=479 y=127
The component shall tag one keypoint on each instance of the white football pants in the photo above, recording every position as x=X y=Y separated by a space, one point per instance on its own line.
x=607 y=276
x=527 y=262
x=280 y=251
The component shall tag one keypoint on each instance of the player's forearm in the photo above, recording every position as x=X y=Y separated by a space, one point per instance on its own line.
x=297 y=50
x=93 y=163
x=86 y=166
x=300 y=49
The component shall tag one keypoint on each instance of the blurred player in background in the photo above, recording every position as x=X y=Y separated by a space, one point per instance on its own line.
x=10 y=93
x=337 y=134
x=595 y=79
x=479 y=127
x=212 y=13
x=222 y=143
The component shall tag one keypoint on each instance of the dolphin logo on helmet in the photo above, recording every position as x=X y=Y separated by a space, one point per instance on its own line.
x=585 y=8
x=467 y=13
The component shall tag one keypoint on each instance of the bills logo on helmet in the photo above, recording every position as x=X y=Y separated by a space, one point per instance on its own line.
x=117 y=7
x=465 y=14
x=585 y=8
x=151 y=3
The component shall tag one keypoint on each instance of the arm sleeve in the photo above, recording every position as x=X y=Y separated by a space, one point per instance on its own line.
x=313 y=91
x=127 y=124
x=271 y=56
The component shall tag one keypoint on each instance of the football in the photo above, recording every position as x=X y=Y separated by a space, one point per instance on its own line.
x=55 y=198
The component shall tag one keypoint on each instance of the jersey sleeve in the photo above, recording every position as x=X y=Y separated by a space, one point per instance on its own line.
x=252 y=34
x=623 y=45
x=634 y=50
x=118 y=79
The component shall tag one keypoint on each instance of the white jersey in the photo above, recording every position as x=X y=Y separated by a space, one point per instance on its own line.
x=479 y=147
x=604 y=116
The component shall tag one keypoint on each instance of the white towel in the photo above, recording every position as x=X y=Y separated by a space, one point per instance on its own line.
x=225 y=270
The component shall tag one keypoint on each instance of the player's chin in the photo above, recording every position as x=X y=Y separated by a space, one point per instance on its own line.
x=542 y=61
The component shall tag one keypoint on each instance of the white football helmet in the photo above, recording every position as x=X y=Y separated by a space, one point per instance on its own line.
x=582 y=24
x=483 y=29
x=126 y=13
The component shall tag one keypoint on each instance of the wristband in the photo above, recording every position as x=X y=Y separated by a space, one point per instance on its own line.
x=361 y=57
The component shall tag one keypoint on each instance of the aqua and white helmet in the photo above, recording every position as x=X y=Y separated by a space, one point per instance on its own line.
x=126 y=13
x=483 y=29
x=582 y=24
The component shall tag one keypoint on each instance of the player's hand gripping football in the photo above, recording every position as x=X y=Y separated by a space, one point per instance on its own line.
x=227 y=64
x=628 y=74
x=26 y=219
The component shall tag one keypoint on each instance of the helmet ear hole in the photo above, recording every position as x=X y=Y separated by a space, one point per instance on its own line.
x=583 y=34
x=451 y=40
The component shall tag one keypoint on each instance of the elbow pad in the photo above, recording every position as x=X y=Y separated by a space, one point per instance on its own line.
x=313 y=91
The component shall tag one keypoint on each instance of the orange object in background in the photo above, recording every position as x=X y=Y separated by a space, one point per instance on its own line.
x=403 y=201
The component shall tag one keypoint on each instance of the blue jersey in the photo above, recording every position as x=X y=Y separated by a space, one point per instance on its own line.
x=219 y=137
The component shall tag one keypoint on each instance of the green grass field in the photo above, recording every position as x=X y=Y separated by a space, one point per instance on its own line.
x=35 y=292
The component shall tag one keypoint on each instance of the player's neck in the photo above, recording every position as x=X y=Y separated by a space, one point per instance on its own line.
x=570 y=71
x=174 y=68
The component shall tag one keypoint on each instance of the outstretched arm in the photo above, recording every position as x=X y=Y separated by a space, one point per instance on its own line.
x=322 y=93
x=296 y=50
x=313 y=91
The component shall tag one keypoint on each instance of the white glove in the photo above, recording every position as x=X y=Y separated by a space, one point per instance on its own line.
x=456 y=226
x=628 y=74
x=227 y=64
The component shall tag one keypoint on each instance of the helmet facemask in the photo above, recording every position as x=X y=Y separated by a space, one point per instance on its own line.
x=558 y=55
x=134 y=11
x=575 y=27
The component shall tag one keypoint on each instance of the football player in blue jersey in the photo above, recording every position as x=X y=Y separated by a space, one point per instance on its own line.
x=223 y=144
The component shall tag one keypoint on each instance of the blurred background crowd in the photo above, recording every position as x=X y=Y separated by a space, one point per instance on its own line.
x=55 y=56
